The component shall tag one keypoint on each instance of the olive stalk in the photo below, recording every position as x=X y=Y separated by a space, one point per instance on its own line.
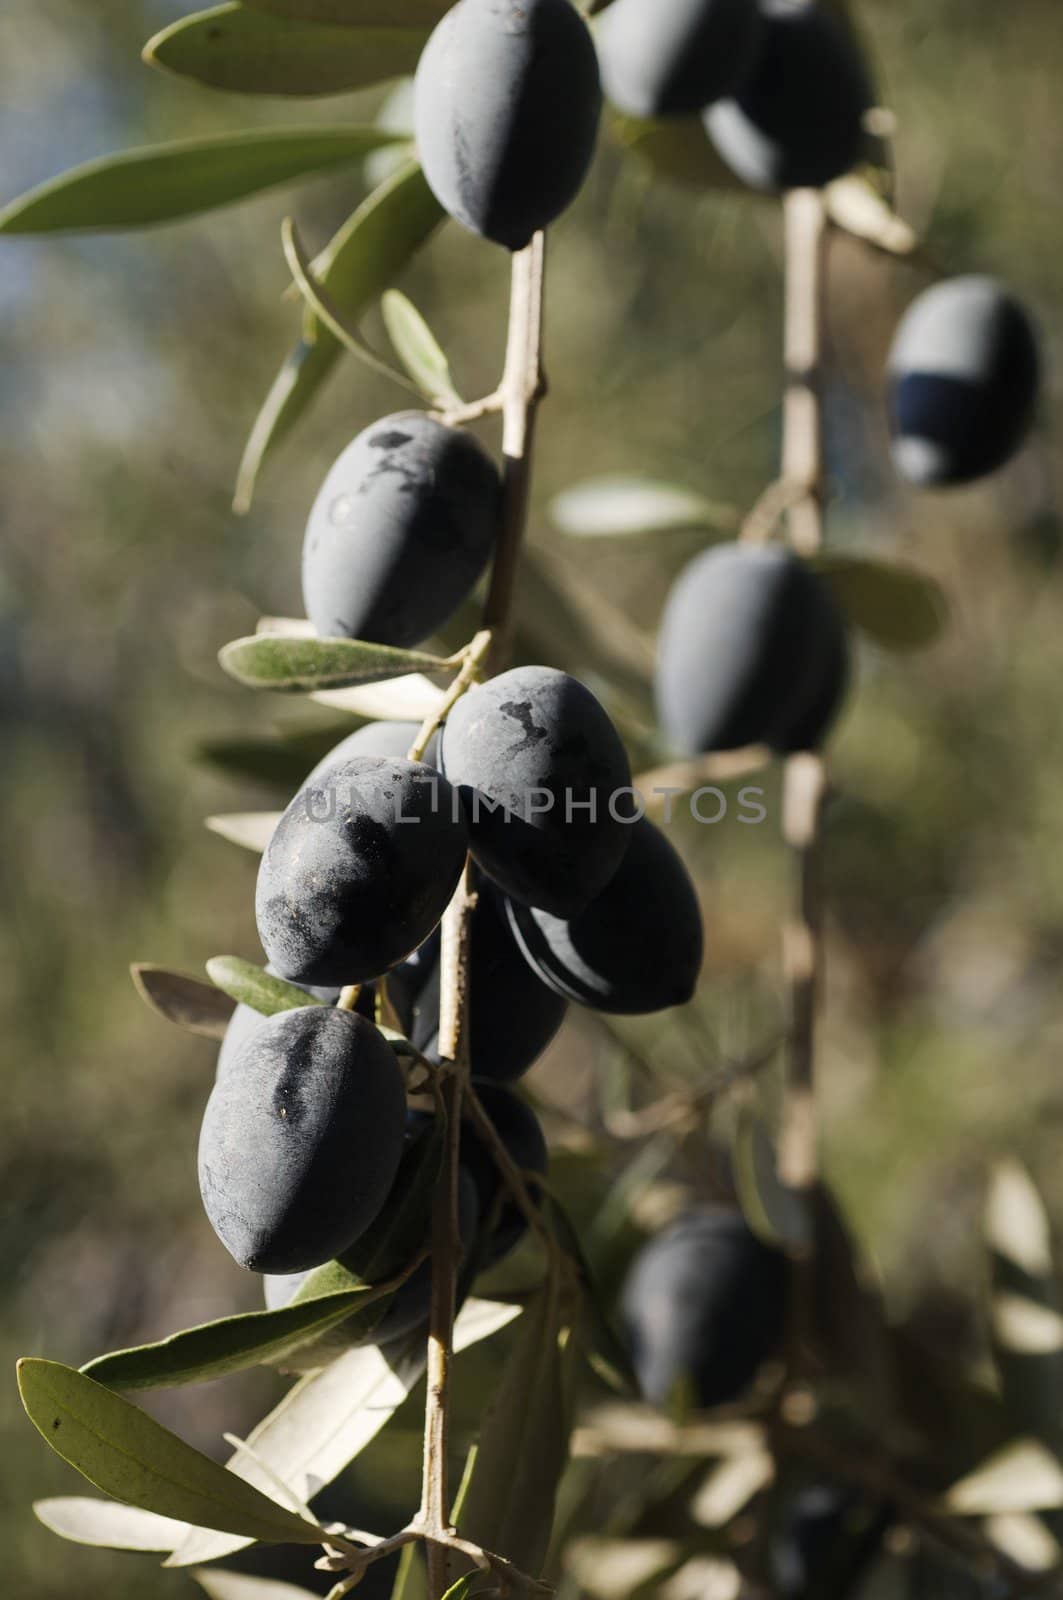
x=805 y=776
x=521 y=389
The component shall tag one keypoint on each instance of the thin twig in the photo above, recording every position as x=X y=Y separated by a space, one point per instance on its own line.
x=805 y=776
x=472 y=667
x=523 y=386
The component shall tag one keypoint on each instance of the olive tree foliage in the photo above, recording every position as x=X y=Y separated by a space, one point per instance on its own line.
x=363 y=1147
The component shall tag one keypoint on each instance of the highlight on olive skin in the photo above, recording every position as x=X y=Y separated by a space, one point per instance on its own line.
x=752 y=650
x=301 y=1139
x=636 y=948
x=506 y=108
x=401 y=529
x=670 y=58
x=798 y=119
x=964 y=375
x=545 y=782
x=705 y=1306
x=359 y=871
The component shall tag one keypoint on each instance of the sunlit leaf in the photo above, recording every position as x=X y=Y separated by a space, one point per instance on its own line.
x=898 y=607
x=329 y=1417
x=524 y=1442
x=416 y=347
x=1024 y=1476
x=855 y=205
x=108 y=1524
x=188 y=1002
x=253 y=52
x=363 y=260
x=1026 y=1324
x=251 y=986
x=164 y=182
x=413 y=698
x=129 y=1455
x=291 y=665
x=620 y=505
x=251 y=830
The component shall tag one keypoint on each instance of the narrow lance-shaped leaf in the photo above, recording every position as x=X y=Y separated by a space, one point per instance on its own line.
x=616 y=505
x=418 y=349
x=1024 y=1476
x=606 y=1352
x=164 y=182
x=251 y=830
x=898 y=607
x=231 y=1344
x=191 y=1004
x=329 y=1417
x=129 y=1455
x=362 y=261
x=357 y=13
x=251 y=986
x=107 y=1524
x=253 y=52
x=523 y=1446
x=292 y=665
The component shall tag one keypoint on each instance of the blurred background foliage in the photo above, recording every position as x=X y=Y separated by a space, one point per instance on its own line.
x=132 y=368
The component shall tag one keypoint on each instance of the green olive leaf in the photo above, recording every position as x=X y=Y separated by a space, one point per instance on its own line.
x=191 y=1004
x=129 y=1455
x=626 y=506
x=250 y=986
x=251 y=830
x=253 y=52
x=329 y=1417
x=417 y=348
x=411 y=1579
x=108 y=1525
x=138 y=188
x=231 y=1344
x=357 y=13
x=896 y=606
x=295 y=665
x=605 y=1349
x=523 y=1448
x=363 y=260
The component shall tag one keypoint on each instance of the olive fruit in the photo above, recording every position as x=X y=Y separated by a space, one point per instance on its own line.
x=301 y=1139
x=400 y=531
x=636 y=948
x=666 y=58
x=512 y=1014
x=359 y=872
x=506 y=107
x=705 y=1305
x=798 y=119
x=963 y=375
x=752 y=650
x=546 y=785
x=245 y=1019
